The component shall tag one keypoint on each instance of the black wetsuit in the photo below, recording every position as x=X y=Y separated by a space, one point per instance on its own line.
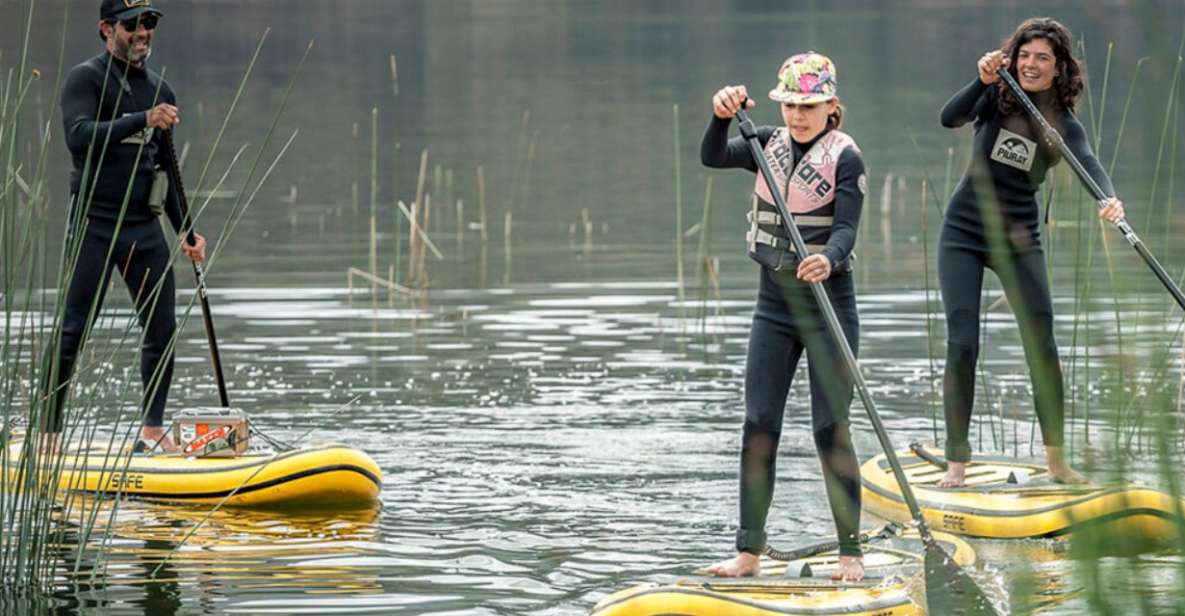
x=104 y=103
x=993 y=221
x=786 y=322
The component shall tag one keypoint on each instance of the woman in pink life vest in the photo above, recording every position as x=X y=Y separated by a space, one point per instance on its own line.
x=819 y=170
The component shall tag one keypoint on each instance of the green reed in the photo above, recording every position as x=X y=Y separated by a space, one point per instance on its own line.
x=374 y=193
x=927 y=286
x=704 y=255
x=678 y=214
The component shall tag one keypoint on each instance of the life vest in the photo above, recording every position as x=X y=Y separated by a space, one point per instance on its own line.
x=809 y=190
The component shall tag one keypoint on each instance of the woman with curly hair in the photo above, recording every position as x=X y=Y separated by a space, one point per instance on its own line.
x=993 y=219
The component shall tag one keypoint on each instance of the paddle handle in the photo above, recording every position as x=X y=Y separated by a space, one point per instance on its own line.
x=749 y=132
x=1053 y=137
x=173 y=169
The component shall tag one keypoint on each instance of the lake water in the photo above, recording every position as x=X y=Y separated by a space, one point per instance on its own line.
x=555 y=420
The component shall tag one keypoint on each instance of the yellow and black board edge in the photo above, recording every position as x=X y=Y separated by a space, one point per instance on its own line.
x=1007 y=498
x=326 y=477
x=893 y=563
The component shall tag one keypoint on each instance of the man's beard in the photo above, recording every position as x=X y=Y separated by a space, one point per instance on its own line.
x=130 y=54
x=132 y=57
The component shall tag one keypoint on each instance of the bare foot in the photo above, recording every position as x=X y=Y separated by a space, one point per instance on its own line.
x=51 y=444
x=150 y=436
x=851 y=569
x=1060 y=471
x=743 y=564
x=1067 y=475
x=954 y=475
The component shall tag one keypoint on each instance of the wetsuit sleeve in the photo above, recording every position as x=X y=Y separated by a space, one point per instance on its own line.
x=965 y=105
x=80 y=111
x=718 y=151
x=1076 y=140
x=849 y=202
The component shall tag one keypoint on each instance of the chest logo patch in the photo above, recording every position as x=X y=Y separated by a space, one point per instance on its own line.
x=1014 y=150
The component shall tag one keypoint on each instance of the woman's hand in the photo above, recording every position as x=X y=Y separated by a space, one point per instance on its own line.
x=815 y=268
x=727 y=101
x=1112 y=210
x=987 y=66
x=197 y=252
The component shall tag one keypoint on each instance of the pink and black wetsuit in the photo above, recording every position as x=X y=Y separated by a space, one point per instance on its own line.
x=787 y=321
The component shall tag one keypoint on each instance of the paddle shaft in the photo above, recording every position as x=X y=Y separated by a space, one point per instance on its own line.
x=749 y=132
x=1055 y=138
x=173 y=169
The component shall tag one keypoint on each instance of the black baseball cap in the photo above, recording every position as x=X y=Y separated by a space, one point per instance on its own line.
x=119 y=10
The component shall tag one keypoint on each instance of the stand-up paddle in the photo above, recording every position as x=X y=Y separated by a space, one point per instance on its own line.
x=173 y=169
x=1055 y=138
x=949 y=589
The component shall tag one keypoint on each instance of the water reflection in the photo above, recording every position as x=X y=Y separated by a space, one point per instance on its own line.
x=169 y=559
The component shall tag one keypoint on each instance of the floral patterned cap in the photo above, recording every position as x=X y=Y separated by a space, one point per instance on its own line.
x=805 y=79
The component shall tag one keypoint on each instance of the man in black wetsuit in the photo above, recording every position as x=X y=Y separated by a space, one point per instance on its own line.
x=113 y=109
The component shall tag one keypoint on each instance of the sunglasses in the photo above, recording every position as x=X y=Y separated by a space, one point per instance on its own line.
x=147 y=21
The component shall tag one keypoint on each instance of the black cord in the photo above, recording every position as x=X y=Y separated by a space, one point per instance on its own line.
x=270 y=440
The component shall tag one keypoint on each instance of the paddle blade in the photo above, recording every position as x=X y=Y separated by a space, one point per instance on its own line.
x=949 y=589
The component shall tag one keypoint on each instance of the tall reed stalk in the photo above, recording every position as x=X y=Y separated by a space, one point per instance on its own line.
x=678 y=214
x=930 y=402
x=374 y=193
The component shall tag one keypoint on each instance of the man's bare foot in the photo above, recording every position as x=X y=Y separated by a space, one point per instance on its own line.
x=953 y=478
x=1059 y=470
x=151 y=434
x=851 y=569
x=743 y=564
x=51 y=444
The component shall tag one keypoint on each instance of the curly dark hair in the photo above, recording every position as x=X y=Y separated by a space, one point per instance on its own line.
x=1067 y=84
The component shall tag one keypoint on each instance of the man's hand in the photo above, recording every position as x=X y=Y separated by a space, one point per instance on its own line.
x=197 y=252
x=163 y=116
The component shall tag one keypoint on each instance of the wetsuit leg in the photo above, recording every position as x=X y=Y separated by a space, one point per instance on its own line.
x=149 y=265
x=960 y=277
x=831 y=400
x=84 y=299
x=1028 y=294
x=773 y=354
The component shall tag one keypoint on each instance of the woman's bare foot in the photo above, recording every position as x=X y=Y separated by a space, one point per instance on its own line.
x=1059 y=470
x=955 y=471
x=851 y=569
x=743 y=564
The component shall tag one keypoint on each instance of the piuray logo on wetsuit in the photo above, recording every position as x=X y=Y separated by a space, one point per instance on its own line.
x=1014 y=150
